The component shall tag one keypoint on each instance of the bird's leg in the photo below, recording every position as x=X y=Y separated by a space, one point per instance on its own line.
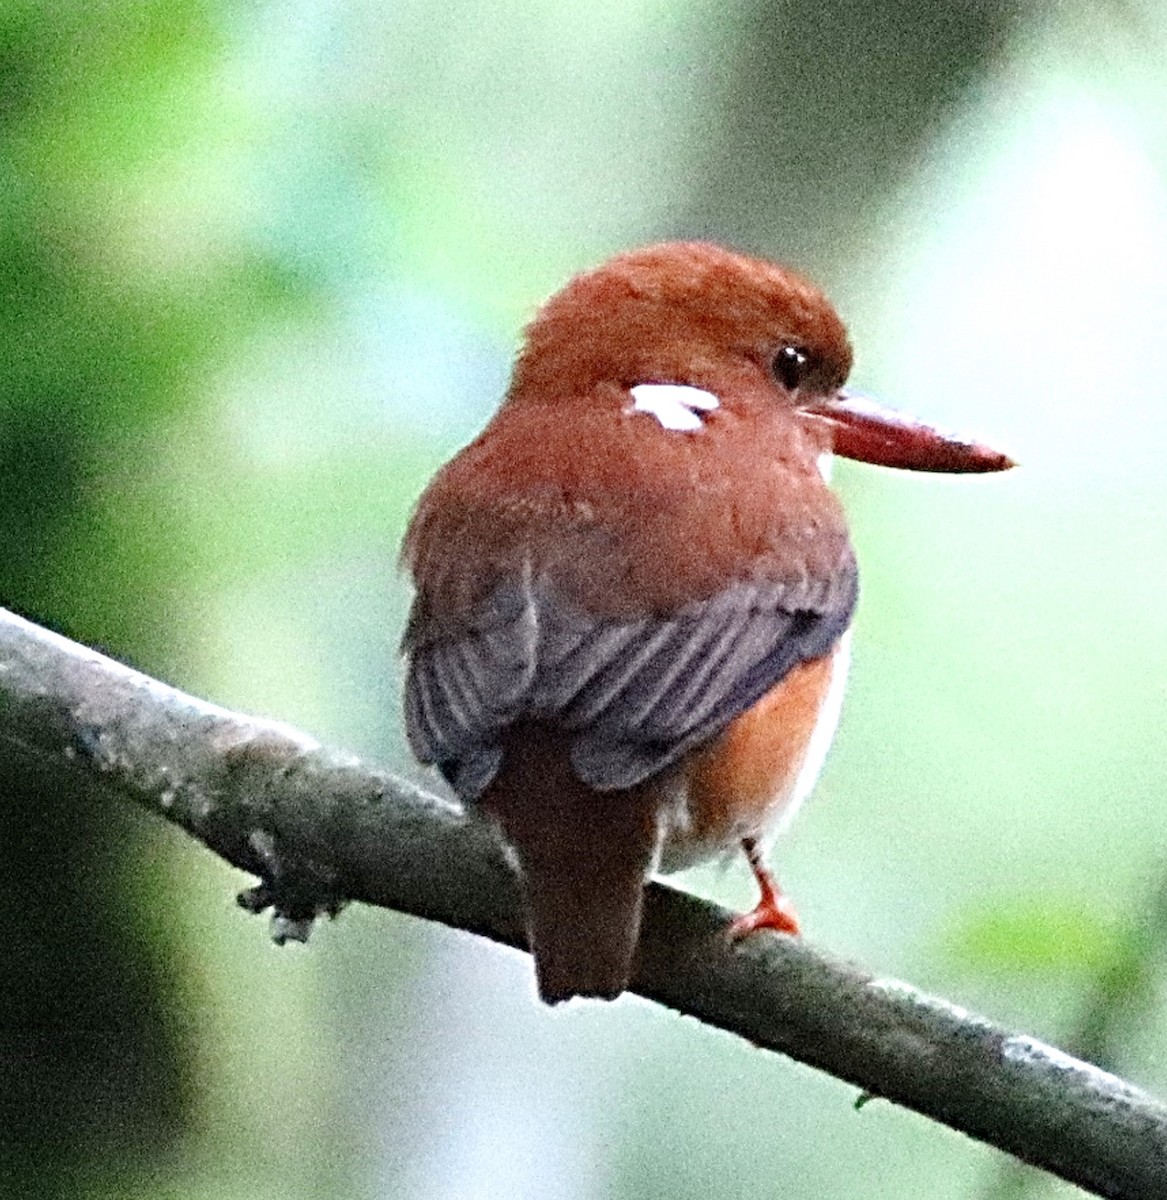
x=773 y=910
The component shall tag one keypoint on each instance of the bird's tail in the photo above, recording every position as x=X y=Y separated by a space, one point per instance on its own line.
x=584 y=856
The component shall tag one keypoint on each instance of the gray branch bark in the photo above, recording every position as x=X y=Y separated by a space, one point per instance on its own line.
x=320 y=828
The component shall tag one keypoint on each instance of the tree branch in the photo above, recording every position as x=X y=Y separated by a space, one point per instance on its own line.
x=321 y=828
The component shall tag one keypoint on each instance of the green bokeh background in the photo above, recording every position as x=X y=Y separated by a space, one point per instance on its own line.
x=262 y=268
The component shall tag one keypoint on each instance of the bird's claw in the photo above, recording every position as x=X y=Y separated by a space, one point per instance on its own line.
x=774 y=912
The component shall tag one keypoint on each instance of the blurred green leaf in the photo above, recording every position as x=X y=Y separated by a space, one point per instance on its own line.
x=1031 y=935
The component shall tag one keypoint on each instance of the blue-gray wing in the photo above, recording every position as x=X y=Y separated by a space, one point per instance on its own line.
x=637 y=694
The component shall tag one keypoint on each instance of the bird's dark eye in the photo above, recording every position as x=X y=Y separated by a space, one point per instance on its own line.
x=791 y=367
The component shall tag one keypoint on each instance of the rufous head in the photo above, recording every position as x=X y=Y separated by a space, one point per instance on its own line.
x=748 y=332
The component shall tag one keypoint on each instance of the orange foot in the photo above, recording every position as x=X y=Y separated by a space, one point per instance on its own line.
x=773 y=910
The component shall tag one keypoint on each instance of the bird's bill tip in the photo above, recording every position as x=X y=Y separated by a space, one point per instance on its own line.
x=870 y=432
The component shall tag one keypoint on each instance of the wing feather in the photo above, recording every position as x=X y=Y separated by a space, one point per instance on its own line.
x=638 y=693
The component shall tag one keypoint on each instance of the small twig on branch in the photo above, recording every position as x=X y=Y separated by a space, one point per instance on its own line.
x=320 y=828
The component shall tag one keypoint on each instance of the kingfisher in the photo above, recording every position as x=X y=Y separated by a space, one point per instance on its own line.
x=629 y=637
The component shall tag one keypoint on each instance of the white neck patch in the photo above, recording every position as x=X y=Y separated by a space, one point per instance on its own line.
x=675 y=405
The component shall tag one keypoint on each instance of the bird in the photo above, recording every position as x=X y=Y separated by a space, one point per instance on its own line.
x=633 y=591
